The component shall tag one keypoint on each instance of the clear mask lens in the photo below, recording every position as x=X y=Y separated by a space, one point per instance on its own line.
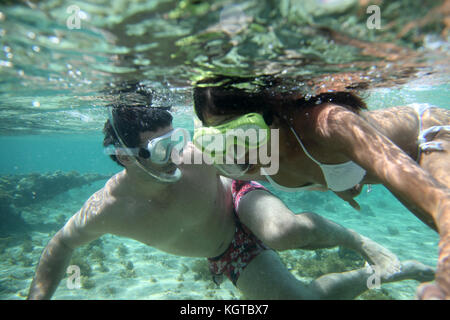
x=161 y=148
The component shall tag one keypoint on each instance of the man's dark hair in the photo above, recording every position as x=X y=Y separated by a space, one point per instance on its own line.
x=130 y=121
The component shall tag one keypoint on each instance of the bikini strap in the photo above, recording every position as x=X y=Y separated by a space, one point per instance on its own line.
x=420 y=109
x=303 y=147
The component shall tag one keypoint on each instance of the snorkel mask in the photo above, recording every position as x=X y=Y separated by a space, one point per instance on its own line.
x=158 y=150
x=228 y=144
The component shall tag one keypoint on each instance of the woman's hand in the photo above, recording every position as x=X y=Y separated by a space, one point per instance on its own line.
x=349 y=194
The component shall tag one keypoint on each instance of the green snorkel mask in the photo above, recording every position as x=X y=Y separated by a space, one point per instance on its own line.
x=246 y=133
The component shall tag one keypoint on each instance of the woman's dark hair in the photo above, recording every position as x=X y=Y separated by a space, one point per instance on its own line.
x=224 y=97
x=130 y=121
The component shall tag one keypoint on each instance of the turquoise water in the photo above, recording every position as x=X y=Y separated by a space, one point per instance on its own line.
x=159 y=275
x=52 y=95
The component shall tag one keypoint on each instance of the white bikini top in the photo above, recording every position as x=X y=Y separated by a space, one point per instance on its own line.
x=339 y=177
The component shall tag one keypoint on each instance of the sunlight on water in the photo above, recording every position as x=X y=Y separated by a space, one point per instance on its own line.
x=48 y=65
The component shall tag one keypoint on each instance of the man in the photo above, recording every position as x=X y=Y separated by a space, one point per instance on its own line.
x=190 y=210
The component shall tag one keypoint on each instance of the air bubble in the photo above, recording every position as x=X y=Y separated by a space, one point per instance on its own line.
x=31 y=35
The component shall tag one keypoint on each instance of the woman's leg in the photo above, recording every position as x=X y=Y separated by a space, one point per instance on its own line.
x=266 y=277
x=279 y=228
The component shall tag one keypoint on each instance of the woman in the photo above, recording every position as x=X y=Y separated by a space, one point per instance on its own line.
x=331 y=141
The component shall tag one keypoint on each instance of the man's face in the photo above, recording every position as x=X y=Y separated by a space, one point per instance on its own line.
x=145 y=138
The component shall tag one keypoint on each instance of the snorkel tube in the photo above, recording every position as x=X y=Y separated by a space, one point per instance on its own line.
x=159 y=176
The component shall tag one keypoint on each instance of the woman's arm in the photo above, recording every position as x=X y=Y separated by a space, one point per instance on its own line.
x=347 y=133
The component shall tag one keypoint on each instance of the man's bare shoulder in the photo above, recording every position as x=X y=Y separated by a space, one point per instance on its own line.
x=104 y=202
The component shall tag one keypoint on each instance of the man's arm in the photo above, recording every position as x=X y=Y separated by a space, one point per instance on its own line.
x=83 y=227
x=51 y=269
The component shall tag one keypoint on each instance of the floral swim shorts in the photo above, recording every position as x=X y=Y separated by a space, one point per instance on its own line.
x=244 y=247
